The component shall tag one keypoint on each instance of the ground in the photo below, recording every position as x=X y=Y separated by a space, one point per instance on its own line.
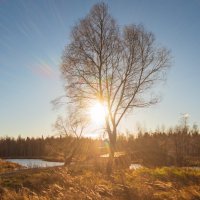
x=64 y=183
x=8 y=166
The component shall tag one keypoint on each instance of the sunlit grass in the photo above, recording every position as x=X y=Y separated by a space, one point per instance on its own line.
x=62 y=183
x=8 y=166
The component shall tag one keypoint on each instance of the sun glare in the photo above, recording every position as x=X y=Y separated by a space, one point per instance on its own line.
x=98 y=113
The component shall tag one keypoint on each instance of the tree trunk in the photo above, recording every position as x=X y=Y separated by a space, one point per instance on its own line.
x=112 y=149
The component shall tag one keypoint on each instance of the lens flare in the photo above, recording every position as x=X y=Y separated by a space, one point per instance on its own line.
x=98 y=113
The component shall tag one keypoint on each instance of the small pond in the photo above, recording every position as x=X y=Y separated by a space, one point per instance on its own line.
x=34 y=163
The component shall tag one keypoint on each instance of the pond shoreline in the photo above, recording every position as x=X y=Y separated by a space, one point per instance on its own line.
x=34 y=163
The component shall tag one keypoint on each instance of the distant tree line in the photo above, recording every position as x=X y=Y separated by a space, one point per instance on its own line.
x=21 y=147
x=179 y=146
x=52 y=148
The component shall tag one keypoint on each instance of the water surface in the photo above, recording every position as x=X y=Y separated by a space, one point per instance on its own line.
x=135 y=166
x=32 y=163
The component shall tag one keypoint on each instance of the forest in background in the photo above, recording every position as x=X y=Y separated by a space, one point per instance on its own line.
x=178 y=146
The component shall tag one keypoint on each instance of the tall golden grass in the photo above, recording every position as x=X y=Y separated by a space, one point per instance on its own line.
x=142 y=184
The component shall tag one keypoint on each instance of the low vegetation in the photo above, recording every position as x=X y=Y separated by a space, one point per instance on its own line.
x=8 y=166
x=63 y=183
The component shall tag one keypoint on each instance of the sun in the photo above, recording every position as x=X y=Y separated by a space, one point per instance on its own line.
x=98 y=113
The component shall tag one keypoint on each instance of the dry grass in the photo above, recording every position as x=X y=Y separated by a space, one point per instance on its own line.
x=143 y=184
x=8 y=166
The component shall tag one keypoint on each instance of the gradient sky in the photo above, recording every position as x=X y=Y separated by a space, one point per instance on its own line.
x=33 y=34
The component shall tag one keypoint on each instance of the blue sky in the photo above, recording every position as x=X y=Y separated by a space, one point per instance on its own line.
x=33 y=34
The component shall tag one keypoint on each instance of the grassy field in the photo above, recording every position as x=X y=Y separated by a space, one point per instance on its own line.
x=62 y=183
x=8 y=166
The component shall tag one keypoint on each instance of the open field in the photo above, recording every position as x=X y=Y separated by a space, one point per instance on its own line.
x=64 y=183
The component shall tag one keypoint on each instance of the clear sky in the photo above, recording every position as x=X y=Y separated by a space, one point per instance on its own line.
x=33 y=34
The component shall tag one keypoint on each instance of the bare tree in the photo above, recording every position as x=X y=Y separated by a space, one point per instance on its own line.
x=73 y=126
x=113 y=66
